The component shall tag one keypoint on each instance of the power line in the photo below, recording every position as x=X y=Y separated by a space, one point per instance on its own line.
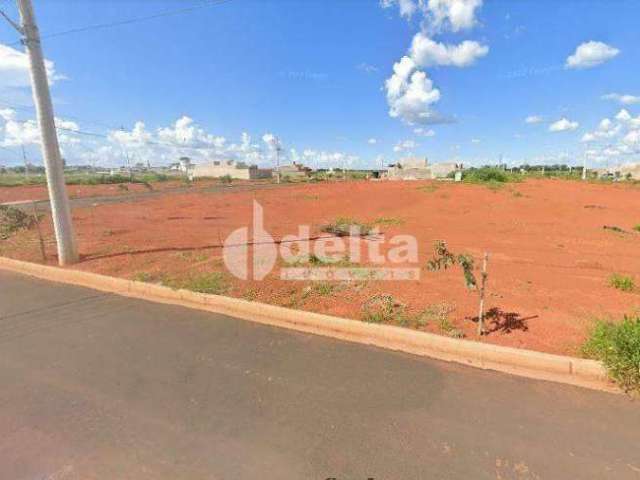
x=129 y=21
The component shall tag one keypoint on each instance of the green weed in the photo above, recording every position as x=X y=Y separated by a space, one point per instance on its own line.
x=622 y=282
x=617 y=346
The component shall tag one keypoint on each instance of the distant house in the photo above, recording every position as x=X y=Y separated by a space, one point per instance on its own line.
x=443 y=170
x=294 y=171
x=626 y=171
x=415 y=168
x=222 y=168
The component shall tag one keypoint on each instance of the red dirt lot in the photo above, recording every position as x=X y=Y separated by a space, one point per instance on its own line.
x=550 y=257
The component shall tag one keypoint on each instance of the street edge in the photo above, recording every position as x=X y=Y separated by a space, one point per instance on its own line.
x=525 y=363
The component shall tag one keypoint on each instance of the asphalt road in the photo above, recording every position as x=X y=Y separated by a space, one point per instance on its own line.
x=96 y=386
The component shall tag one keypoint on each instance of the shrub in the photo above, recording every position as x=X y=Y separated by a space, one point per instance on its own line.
x=13 y=219
x=622 y=282
x=485 y=175
x=344 y=226
x=388 y=221
x=637 y=228
x=226 y=179
x=617 y=346
x=443 y=259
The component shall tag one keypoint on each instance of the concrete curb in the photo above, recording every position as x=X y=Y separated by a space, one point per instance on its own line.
x=526 y=363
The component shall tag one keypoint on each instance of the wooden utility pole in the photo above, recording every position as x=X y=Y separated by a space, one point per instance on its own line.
x=60 y=209
x=278 y=148
x=483 y=282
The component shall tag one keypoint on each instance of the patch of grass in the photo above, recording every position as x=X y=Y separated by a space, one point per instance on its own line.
x=191 y=256
x=381 y=308
x=449 y=329
x=617 y=346
x=211 y=282
x=143 y=277
x=13 y=180
x=637 y=228
x=322 y=289
x=438 y=312
x=250 y=294
x=388 y=221
x=315 y=261
x=428 y=188
x=622 y=282
x=309 y=197
x=347 y=226
x=13 y=219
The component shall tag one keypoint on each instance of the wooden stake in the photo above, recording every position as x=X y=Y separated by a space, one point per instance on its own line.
x=37 y=220
x=482 y=288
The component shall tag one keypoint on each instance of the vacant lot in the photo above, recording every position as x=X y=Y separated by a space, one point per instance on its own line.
x=39 y=192
x=551 y=259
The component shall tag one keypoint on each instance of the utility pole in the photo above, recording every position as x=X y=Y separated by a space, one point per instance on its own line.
x=60 y=209
x=278 y=149
x=26 y=164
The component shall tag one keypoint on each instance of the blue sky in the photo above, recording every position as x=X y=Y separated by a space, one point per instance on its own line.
x=313 y=73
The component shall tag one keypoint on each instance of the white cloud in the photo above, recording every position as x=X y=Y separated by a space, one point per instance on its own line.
x=367 y=68
x=185 y=132
x=606 y=129
x=405 y=145
x=625 y=118
x=7 y=114
x=410 y=94
x=407 y=7
x=272 y=141
x=475 y=140
x=14 y=69
x=563 y=125
x=622 y=99
x=425 y=52
x=533 y=119
x=623 y=115
x=424 y=132
x=18 y=133
x=26 y=132
x=320 y=158
x=161 y=146
x=632 y=138
x=372 y=141
x=591 y=54
x=137 y=137
x=454 y=14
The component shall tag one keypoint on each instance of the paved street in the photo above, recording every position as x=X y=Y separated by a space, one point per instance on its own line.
x=96 y=386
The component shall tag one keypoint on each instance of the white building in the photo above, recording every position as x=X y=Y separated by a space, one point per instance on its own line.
x=222 y=168
x=415 y=168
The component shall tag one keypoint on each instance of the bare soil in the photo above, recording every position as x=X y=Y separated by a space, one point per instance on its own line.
x=550 y=257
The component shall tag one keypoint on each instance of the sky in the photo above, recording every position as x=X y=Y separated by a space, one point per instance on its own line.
x=331 y=83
